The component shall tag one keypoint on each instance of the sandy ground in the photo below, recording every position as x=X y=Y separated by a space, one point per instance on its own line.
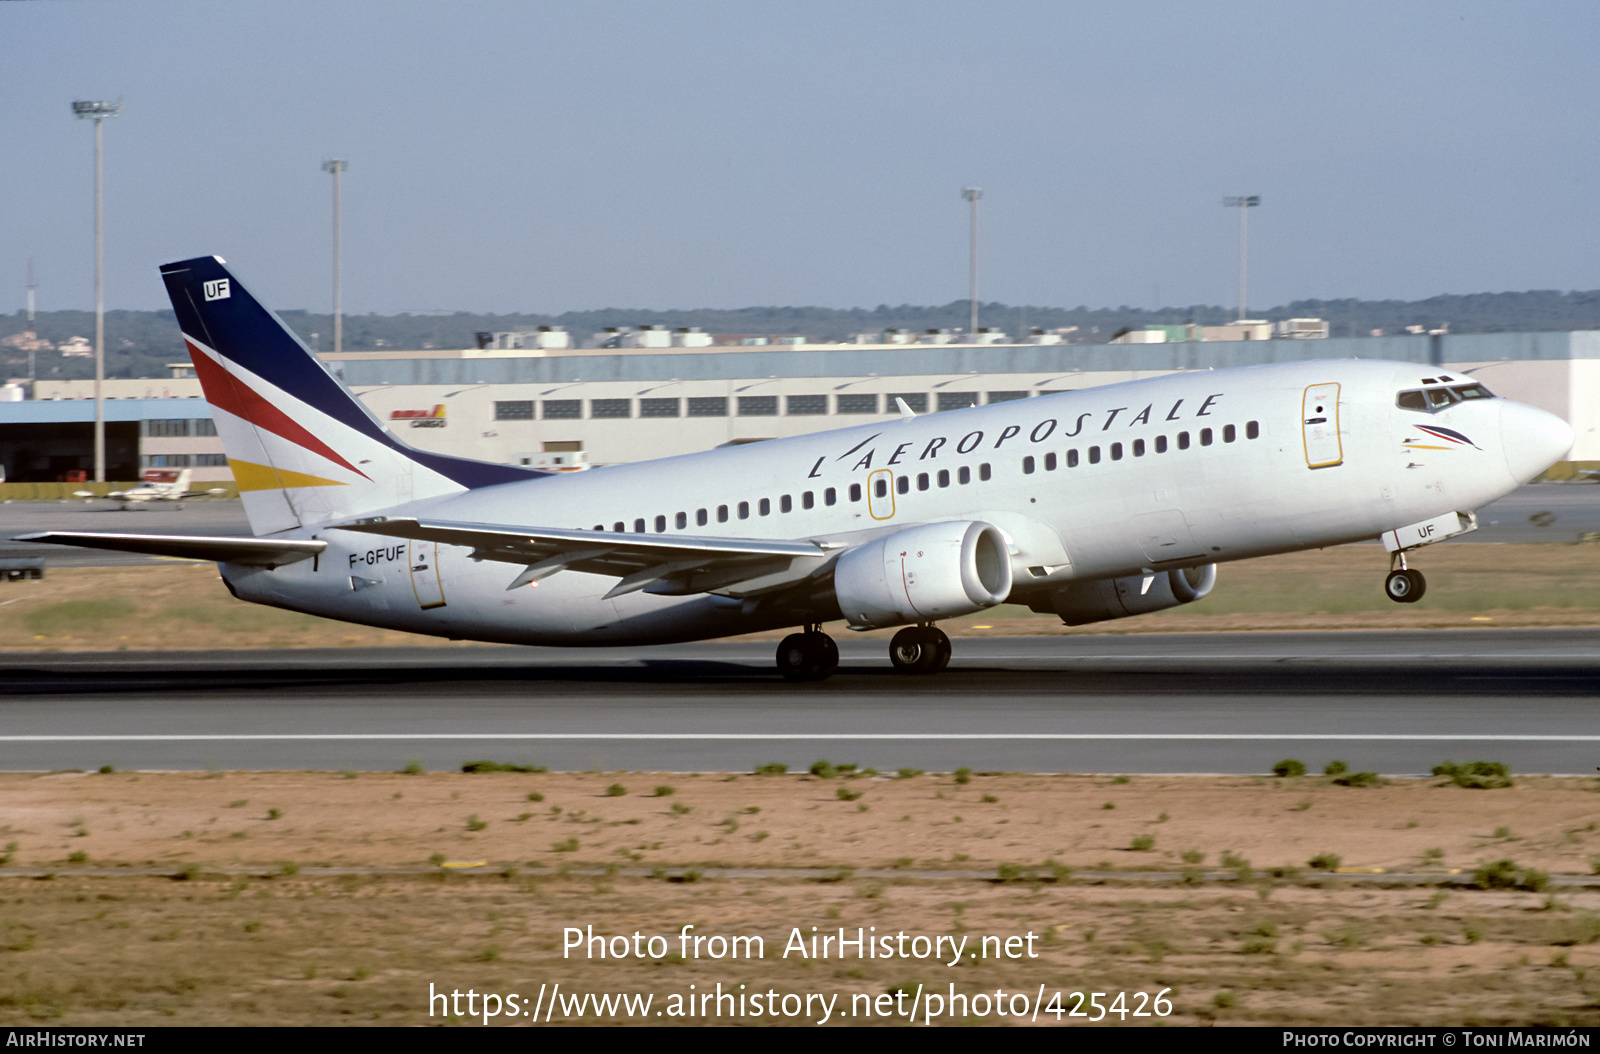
x=300 y=948
x=184 y=605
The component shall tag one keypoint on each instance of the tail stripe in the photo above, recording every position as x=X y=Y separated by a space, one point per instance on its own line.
x=227 y=392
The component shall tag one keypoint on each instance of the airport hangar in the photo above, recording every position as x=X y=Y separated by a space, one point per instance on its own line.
x=566 y=408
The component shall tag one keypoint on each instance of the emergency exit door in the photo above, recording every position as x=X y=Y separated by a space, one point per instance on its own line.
x=1319 y=423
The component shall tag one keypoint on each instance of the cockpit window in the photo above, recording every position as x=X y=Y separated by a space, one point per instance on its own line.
x=1432 y=400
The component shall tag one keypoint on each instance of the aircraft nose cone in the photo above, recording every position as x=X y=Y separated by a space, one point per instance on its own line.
x=1531 y=439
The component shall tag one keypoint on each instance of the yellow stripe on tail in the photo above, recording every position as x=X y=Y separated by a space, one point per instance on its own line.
x=250 y=476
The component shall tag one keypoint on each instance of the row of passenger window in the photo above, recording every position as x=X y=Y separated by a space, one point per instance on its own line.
x=744 y=405
x=1252 y=430
x=808 y=500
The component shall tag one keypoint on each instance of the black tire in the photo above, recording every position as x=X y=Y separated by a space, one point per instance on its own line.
x=797 y=659
x=826 y=653
x=942 y=649
x=913 y=650
x=1405 y=587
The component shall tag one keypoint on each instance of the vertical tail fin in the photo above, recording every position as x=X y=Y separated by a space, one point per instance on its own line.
x=303 y=449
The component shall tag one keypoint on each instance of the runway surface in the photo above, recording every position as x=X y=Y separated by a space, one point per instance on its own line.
x=1545 y=512
x=1392 y=702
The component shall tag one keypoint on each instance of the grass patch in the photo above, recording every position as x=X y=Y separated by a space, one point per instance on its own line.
x=70 y=616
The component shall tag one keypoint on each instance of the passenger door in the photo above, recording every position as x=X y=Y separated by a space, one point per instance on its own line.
x=1319 y=417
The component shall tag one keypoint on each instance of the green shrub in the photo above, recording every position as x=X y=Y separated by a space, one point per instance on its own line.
x=1476 y=775
x=1289 y=767
x=475 y=824
x=665 y=791
x=771 y=768
x=1335 y=768
x=990 y=799
x=1192 y=856
x=822 y=768
x=906 y=774
x=1584 y=929
x=846 y=794
x=413 y=767
x=1357 y=779
x=1143 y=843
x=568 y=846
x=1258 y=946
x=535 y=796
x=273 y=814
x=500 y=766
x=963 y=775
x=1325 y=862
x=106 y=770
x=680 y=809
x=616 y=790
x=1505 y=874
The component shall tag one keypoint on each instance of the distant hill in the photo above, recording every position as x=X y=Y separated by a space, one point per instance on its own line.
x=140 y=343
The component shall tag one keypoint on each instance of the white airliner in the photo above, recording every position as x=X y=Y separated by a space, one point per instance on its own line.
x=1094 y=504
x=155 y=484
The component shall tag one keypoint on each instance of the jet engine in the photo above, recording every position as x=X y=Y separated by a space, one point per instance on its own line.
x=1107 y=598
x=934 y=571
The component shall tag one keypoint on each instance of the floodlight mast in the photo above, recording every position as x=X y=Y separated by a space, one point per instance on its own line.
x=972 y=194
x=98 y=112
x=336 y=166
x=1244 y=205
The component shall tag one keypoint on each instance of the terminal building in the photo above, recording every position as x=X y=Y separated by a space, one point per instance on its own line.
x=532 y=401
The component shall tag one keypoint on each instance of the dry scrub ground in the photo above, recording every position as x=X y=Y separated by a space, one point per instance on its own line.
x=184 y=605
x=304 y=948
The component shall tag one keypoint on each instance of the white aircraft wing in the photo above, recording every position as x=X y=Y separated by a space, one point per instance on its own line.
x=670 y=565
x=253 y=552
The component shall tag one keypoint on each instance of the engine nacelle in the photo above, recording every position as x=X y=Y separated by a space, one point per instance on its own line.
x=1107 y=598
x=934 y=571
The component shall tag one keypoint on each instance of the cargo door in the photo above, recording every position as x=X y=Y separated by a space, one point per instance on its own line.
x=423 y=560
x=1319 y=417
x=880 y=494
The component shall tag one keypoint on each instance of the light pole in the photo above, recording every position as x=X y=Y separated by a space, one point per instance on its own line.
x=1244 y=205
x=972 y=194
x=98 y=112
x=336 y=166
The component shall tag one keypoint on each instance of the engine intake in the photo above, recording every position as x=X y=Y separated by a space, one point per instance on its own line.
x=935 y=571
x=1079 y=603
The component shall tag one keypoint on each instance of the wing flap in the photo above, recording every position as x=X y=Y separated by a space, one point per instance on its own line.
x=252 y=552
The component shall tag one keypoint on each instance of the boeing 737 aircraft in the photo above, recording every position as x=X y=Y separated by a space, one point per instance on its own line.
x=1094 y=504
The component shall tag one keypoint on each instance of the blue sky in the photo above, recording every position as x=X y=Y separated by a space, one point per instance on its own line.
x=686 y=153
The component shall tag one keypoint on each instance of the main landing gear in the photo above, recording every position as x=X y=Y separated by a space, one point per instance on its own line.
x=1404 y=585
x=808 y=656
x=920 y=649
x=813 y=655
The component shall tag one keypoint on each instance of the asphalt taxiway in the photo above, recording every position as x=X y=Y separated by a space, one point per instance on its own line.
x=1392 y=702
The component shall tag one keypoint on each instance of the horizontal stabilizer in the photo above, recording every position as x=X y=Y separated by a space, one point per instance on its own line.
x=252 y=552
x=660 y=563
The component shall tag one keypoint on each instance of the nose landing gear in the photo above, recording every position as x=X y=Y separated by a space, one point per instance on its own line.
x=808 y=656
x=1404 y=585
x=920 y=649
